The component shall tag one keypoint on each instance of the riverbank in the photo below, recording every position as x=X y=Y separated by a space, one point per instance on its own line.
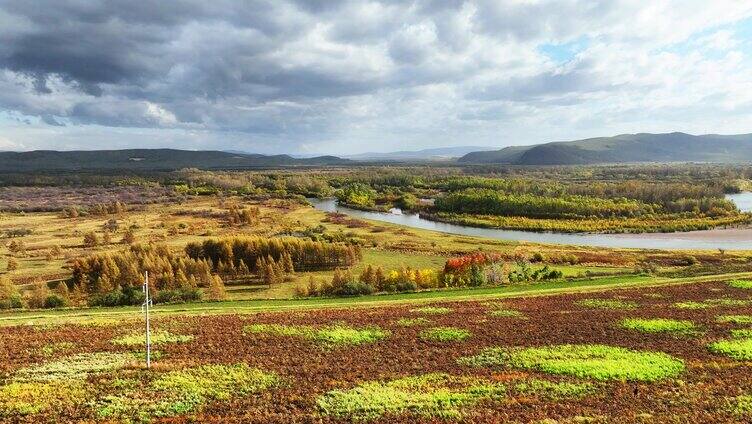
x=662 y=224
x=710 y=239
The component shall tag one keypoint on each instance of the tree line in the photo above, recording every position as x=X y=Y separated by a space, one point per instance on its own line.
x=485 y=201
x=116 y=278
x=249 y=252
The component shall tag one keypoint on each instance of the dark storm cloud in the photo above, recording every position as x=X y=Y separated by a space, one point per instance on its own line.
x=182 y=54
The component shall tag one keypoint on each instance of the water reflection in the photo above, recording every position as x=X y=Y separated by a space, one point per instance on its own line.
x=728 y=239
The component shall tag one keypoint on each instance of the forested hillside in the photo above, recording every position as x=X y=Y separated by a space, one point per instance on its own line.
x=626 y=148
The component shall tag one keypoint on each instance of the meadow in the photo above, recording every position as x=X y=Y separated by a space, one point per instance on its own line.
x=581 y=357
x=268 y=310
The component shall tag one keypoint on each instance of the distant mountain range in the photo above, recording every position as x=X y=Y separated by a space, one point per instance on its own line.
x=437 y=154
x=149 y=159
x=625 y=148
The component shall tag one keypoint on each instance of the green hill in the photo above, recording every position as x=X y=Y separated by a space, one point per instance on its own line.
x=626 y=148
x=149 y=159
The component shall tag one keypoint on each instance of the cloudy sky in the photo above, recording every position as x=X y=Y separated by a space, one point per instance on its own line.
x=331 y=76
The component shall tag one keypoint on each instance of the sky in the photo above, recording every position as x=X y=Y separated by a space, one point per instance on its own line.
x=344 y=77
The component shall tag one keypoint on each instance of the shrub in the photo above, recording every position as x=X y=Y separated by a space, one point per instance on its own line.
x=10 y=298
x=129 y=237
x=178 y=295
x=38 y=297
x=54 y=301
x=357 y=194
x=598 y=362
x=128 y=296
x=12 y=264
x=91 y=239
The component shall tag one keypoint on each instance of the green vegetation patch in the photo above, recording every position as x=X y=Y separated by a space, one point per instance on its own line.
x=331 y=336
x=598 y=362
x=741 y=406
x=501 y=310
x=74 y=367
x=555 y=390
x=659 y=325
x=186 y=391
x=745 y=333
x=732 y=303
x=430 y=395
x=53 y=348
x=711 y=303
x=431 y=310
x=740 y=349
x=157 y=338
x=445 y=334
x=735 y=319
x=740 y=284
x=412 y=322
x=692 y=305
x=25 y=398
x=607 y=304
x=506 y=313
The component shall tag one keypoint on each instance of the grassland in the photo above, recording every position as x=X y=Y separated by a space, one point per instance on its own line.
x=620 y=335
x=360 y=364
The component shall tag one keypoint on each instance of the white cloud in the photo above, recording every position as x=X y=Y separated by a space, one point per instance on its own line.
x=370 y=75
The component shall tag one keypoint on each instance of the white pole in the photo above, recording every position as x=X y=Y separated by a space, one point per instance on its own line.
x=147 y=304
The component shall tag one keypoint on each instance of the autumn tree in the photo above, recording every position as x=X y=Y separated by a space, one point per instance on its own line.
x=12 y=264
x=129 y=237
x=10 y=298
x=91 y=239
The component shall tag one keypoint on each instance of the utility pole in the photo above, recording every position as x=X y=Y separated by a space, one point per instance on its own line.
x=145 y=308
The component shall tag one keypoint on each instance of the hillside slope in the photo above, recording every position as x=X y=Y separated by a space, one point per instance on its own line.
x=435 y=154
x=626 y=148
x=148 y=159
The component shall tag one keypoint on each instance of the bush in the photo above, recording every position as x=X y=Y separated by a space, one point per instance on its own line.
x=354 y=288
x=178 y=295
x=91 y=239
x=54 y=301
x=406 y=286
x=9 y=296
x=12 y=264
x=129 y=296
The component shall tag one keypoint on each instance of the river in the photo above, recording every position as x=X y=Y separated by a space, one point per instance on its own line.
x=729 y=239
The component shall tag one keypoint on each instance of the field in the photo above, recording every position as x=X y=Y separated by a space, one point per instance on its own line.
x=175 y=225
x=268 y=310
x=564 y=358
